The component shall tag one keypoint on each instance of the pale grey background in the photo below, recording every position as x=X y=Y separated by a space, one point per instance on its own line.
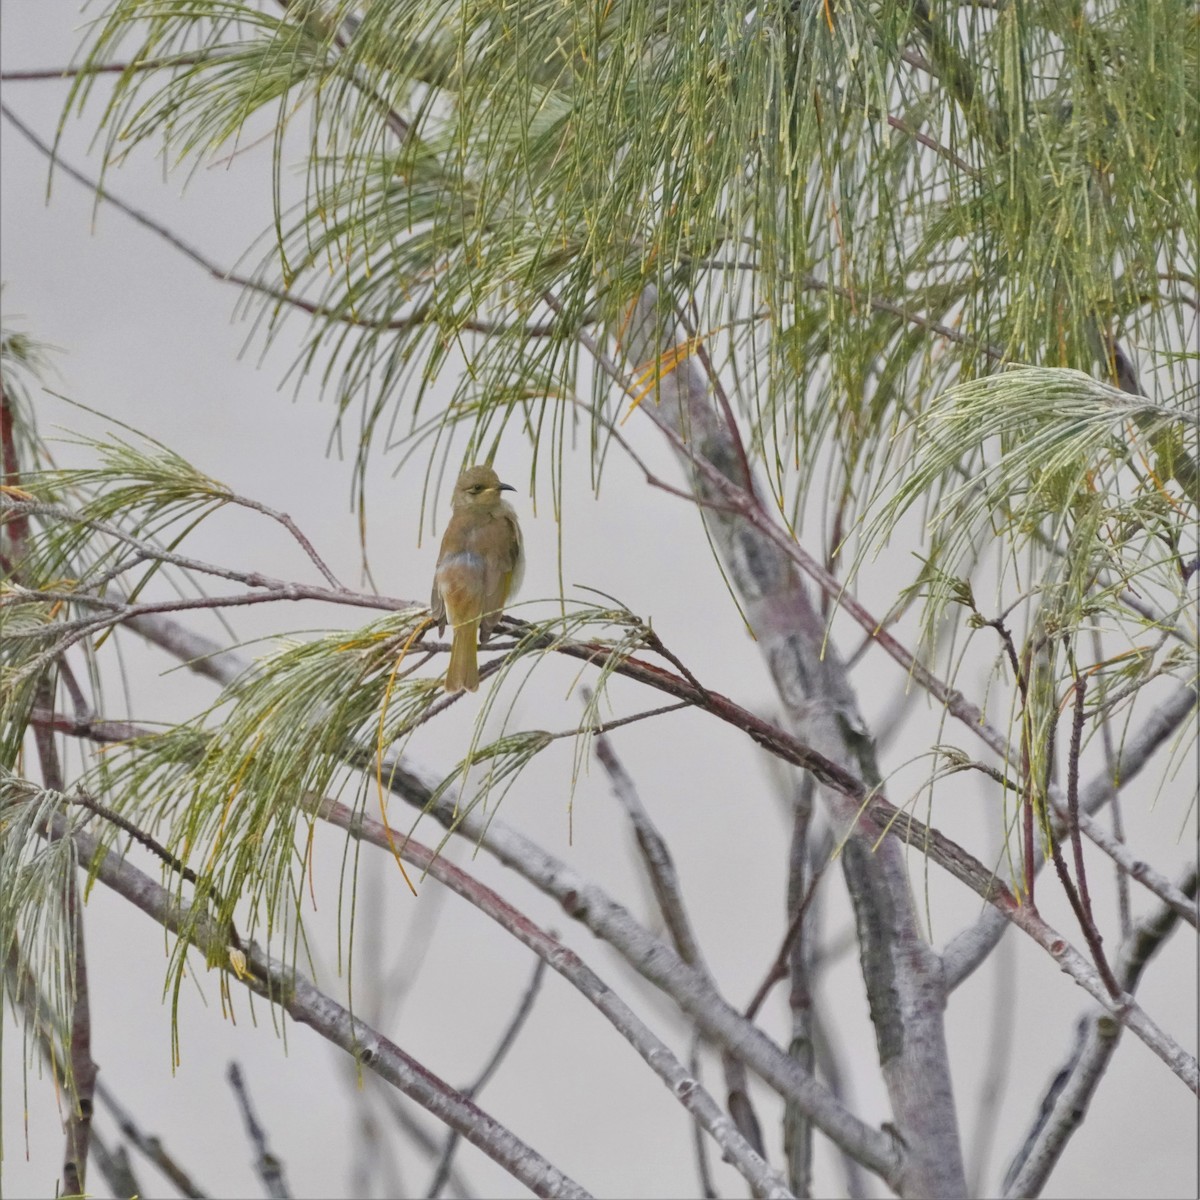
x=147 y=337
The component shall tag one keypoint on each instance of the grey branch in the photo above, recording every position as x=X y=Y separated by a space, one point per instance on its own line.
x=300 y=998
x=148 y=1145
x=653 y=959
x=425 y=1141
x=1067 y=1099
x=268 y=1166
x=652 y=1049
x=668 y=891
x=116 y=1168
x=441 y=1174
x=968 y=948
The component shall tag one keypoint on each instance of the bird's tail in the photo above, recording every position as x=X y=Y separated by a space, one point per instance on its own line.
x=463 y=671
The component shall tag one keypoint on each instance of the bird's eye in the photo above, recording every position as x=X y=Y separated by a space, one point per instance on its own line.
x=477 y=489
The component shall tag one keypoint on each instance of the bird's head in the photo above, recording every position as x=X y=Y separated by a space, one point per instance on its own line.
x=479 y=488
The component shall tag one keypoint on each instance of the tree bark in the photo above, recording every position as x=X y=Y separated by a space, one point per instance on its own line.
x=903 y=974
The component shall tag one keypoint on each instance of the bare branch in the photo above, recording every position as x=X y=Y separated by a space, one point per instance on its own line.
x=656 y=1054
x=298 y=996
x=149 y=1145
x=1125 y=1009
x=968 y=948
x=664 y=879
x=116 y=1168
x=269 y=1168
x=422 y=314
x=118 y=68
x=1070 y=1093
x=441 y=1174
x=254 y=579
x=708 y=1189
x=422 y=1138
x=801 y=889
x=585 y=902
x=998 y=1063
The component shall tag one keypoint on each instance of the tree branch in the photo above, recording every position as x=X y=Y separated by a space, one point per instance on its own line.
x=441 y=1174
x=968 y=948
x=269 y=1168
x=294 y=993
x=763 y=1180
x=668 y=891
x=119 y=68
x=421 y=315
x=1070 y=1093
x=587 y=903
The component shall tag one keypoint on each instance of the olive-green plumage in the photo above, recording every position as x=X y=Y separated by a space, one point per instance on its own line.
x=479 y=569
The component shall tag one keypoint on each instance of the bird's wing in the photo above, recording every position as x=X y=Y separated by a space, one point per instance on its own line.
x=508 y=565
x=460 y=581
x=516 y=570
x=437 y=607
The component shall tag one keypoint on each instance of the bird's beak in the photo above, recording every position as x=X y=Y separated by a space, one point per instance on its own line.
x=507 y=487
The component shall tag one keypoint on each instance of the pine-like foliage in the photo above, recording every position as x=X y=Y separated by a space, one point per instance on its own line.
x=919 y=248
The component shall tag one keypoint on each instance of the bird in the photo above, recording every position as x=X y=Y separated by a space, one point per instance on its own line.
x=479 y=568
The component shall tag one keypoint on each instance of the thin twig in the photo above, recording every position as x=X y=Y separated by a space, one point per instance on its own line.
x=668 y=891
x=116 y=1168
x=1090 y=933
x=708 y=1189
x=268 y=1166
x=971 y=946
x=149 y=1145
x=998 y=1062
x=254 y=579
x=419 y=316
x=1066 y=1102
x=811 y=283
x=656 y=857
x=307 y=1005
x=608 y=726
x=283 y=519
x=933 y=144
x=422 y=1139
x=797 y=1129
x=119 y=68
x=1028 y=786
x=778 y=970
x=1124 y=907
x=1073 y=755
x=441 y=1174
